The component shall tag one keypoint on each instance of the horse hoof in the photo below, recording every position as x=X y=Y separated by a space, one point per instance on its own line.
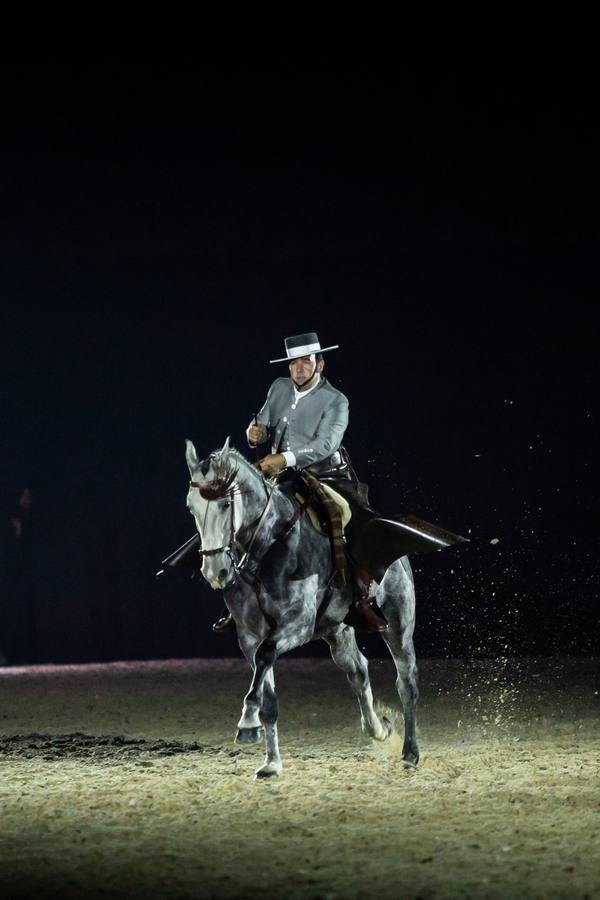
x=269 y=770
x=248 y=735
x=410 y=761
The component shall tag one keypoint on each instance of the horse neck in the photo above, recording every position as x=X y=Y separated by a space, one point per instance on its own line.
x=255 y=494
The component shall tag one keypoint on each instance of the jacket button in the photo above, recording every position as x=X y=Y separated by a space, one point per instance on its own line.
x=293 y=406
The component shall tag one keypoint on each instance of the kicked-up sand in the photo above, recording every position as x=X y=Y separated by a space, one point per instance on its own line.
x=122 y=780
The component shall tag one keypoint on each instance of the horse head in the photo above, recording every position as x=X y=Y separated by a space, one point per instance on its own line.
x=215 y=504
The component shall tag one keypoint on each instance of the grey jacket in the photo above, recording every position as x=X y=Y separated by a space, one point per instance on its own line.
x=312 y=429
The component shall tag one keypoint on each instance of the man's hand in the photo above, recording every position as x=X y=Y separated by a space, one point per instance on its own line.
x=257 y=434
x=272 y=464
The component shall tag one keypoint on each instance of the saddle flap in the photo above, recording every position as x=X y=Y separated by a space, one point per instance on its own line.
x=379 y=542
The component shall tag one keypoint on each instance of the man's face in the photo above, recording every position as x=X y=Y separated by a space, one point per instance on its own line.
x=303 y=370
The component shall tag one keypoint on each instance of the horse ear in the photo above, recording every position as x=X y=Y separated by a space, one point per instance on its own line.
x=225 y=449
x=190 y=456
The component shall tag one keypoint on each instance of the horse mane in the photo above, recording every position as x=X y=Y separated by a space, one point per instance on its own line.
x=225 y=476
x=246 y=464
x=248 y=468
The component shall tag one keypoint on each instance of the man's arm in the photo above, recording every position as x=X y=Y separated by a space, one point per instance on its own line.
x=330 y=432
x=256 y=433
x=263 y=418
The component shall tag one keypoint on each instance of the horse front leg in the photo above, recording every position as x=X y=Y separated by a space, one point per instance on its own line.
x=261 y=708
x=268 y=716
x=346 y=655
x=249 y=729
x=260 y=703
x=250 y=722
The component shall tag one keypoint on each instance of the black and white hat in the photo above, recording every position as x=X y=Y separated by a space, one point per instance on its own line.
x=303 y=345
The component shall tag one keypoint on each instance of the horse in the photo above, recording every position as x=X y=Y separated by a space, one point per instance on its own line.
x=274 y=569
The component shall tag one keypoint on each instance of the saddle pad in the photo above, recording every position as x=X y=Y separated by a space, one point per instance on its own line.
x=343 y=504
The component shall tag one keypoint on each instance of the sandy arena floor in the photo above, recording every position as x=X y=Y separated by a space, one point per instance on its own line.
x=122 y=780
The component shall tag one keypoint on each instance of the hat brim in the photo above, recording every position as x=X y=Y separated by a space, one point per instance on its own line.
x=300 y=355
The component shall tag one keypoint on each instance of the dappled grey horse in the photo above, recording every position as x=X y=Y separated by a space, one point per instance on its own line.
x=274 y=569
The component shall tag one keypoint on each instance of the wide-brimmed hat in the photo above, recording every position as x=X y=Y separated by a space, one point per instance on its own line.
x=303 y=345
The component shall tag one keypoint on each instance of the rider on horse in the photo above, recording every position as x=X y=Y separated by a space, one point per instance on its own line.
x=303 y=421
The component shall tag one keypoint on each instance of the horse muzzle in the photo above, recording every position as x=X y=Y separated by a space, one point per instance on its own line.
x=220 y=579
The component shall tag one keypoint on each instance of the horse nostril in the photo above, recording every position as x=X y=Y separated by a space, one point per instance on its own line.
x=222 y=574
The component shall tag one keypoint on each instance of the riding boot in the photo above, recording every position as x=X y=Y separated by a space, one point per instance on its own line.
x=224 y=623
x=370 y=616
x=364 y=613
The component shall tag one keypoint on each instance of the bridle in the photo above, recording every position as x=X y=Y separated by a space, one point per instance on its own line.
x=228 y=548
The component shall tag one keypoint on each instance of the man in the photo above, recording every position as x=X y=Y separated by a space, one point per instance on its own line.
x=304 y=417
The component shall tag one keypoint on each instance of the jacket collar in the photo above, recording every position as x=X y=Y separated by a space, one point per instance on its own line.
x=315 y=387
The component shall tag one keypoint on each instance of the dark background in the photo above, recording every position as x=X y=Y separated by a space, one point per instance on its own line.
x=163 y=229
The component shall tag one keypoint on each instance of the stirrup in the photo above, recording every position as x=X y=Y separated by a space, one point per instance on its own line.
x=223 y=624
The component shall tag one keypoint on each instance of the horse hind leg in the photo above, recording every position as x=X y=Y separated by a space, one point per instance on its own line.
x=406 y=684
x=396 y=596
x=346 y=655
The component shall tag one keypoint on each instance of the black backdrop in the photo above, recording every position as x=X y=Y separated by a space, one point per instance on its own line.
x=163 y=230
